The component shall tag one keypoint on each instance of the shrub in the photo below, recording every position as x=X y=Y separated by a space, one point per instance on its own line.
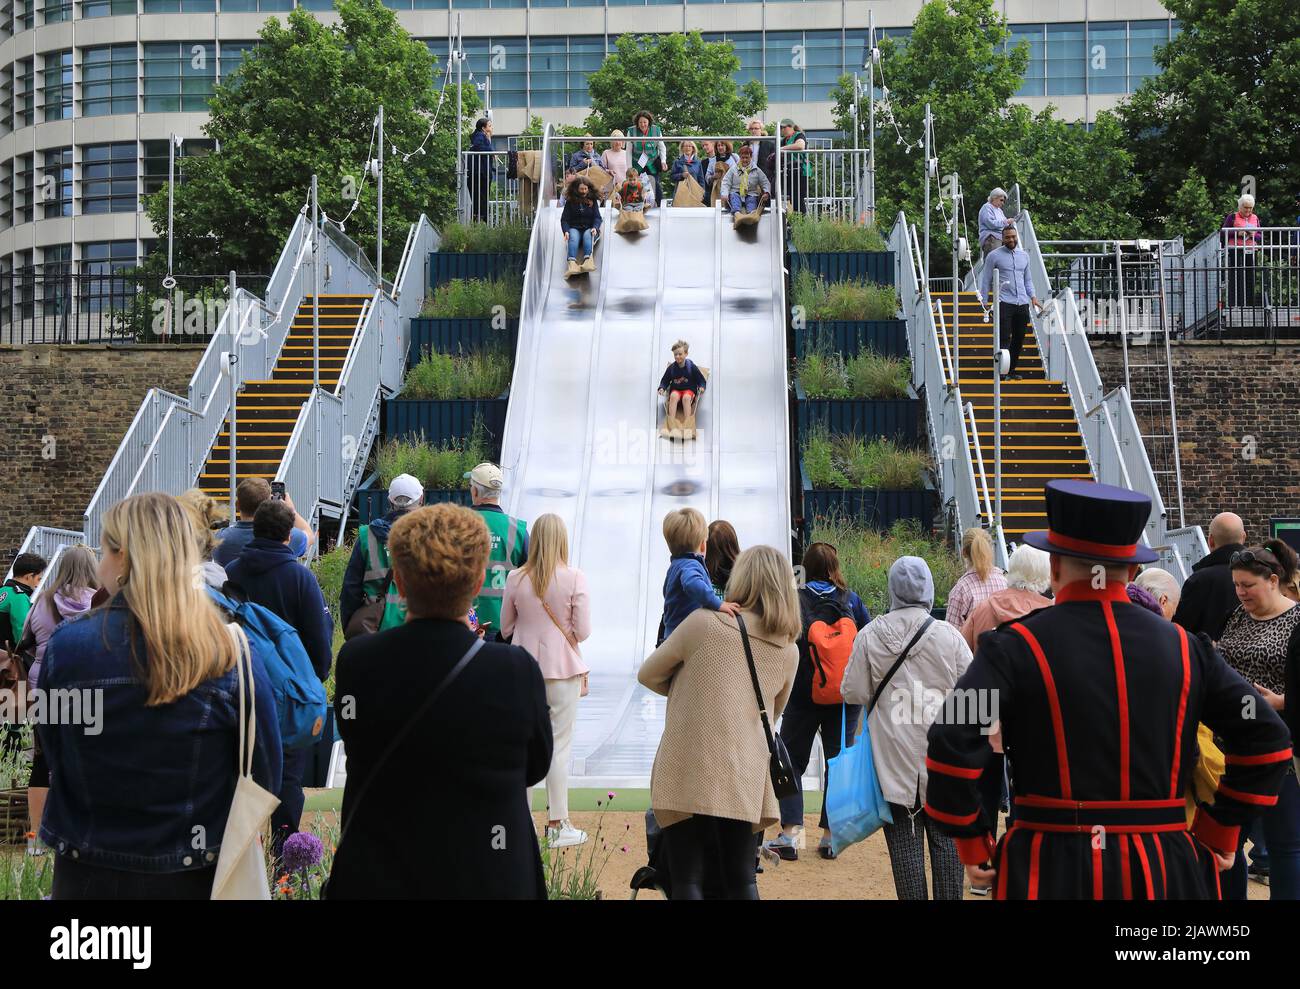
x=477 y=374
x=329 y=569
x=834 y=460
x=439 y=466
x=479 y=238
x=855 y=300
x=824 y=375
x=866 y=556
x=473 y=298
x=871 y=375
x=811 y=234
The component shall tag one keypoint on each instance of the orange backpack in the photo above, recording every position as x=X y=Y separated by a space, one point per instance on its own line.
x=829 y=631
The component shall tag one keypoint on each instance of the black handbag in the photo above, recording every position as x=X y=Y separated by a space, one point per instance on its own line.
x=784 y=781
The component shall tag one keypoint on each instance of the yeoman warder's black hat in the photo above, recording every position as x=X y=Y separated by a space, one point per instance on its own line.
x=1094 y=522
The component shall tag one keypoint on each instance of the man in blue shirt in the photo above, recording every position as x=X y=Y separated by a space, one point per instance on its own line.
x=1015 y=293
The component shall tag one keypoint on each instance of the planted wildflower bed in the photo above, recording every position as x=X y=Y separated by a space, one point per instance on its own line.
x=440 y=467
x=478 y=251
x=868 y=395
x=446 y=395
x=839 y=249
x=874 y=482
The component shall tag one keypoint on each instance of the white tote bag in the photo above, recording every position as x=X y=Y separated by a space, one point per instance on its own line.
x=241 y=866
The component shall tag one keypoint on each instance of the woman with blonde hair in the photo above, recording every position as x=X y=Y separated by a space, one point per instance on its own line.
x=141 y=785
x=547 y=612
x=711 y=790
x=980 y=580
x=205 y=517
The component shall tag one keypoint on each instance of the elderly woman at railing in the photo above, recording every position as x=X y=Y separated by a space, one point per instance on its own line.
x=993 y=221
x=1241 y=242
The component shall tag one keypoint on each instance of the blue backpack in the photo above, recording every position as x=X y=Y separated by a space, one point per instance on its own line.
x=299 y=695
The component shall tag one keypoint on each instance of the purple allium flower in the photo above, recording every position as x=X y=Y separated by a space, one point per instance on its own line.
x=302 y=850
x=625 y=848
x=612 y=794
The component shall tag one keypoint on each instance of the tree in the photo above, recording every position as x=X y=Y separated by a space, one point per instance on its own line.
x=685 y=81
x=1226 y=107
x=303 y=102
x=1192 y=211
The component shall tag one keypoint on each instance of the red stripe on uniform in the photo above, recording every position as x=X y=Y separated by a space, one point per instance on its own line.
x=1146 y=865
x=1102 y=551
x=953 y=819
x=1004 y=848
x=1121 y=693
x=1125 y=868
x=1164 y=879
x=1257 y=799
x=1098 y=885
x=1182 y=714
x=947 y=770
x=1054 y=702
x=1034 y=847
x=1034 y=800
x=1263 y=759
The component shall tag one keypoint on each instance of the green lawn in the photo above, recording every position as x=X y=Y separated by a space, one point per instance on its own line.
x=583 y=799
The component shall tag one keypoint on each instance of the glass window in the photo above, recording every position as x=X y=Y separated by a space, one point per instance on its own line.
x=1108 y=58
x=824 y=63
x=56 y=270
x=505 y=59
x=548 y=64
x=108 y=178
x=23 y=193
x=56 y=10
x=6 y=194
x=108 y=80
x=782 y=66
x=23 y=285
x=107 y=8
x=24 y=92
x=1036 y=71
x=398 y=4
x=6 y=99
x=56 y=183
x=57 y=85
x=154 y=162
x=24 y=15
x=1066 y=60
x=179 y=76
x=233 y=54
x=6 y=19
x=1143 y=40
x=178 y=6
x=100 y=261
x=748 y=47
x=586 y=55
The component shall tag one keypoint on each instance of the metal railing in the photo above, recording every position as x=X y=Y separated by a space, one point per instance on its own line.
x=48 y=543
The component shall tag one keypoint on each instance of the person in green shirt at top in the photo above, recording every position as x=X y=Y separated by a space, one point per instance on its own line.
x=509 y=544
x=795 y=167
x=16 y=596
x=648 y=154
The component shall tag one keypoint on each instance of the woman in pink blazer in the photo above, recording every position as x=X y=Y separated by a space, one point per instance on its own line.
x=546 y=611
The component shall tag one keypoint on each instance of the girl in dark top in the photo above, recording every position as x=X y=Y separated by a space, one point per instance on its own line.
x=580 y=222
x=1261 y=641
x=720 y=553
x=803 y=717
x=479 y=172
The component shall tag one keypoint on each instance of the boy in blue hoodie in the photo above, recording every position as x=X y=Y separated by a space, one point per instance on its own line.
x=683 y=382
x=687 y=586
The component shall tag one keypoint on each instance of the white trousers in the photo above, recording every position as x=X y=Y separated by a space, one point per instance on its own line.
x=562 y=699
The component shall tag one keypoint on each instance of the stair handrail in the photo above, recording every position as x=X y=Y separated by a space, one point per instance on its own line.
x=979 y=458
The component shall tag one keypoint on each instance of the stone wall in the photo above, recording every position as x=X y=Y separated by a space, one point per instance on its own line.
x=63 y=412
x=1238 y=424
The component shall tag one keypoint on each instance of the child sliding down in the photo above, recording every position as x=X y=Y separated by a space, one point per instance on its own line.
x=580 y=223
x=631 y=199
x=682 y=385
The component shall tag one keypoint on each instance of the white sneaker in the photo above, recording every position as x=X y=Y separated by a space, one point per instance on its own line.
x=564 y=836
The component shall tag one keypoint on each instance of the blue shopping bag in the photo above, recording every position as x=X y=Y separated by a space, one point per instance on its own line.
x=855 y=806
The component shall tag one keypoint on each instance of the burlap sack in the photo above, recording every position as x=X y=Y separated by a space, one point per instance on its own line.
x=530 y=173
x=630 y=221
x=688 y=192
x=600 y=180
x=719 y=170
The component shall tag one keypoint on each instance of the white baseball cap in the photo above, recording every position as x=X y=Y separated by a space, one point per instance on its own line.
x=487 y=475
x=405 y=490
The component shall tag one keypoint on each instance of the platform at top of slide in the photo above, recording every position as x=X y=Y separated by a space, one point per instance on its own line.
x=581 y=437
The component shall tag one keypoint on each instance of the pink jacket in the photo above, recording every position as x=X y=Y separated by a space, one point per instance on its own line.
x=524 y=618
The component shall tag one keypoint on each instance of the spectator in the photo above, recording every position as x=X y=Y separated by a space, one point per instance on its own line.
x=1160 y=584
x=580 y=223
x=745 y=188
x=649 y=156
x=547 y=612
x=981 y=579
x=368 y=578
x=66 y=594
x=419 y=693
x=615 y=159
x=937 y=657
x=1028 y=576
x=804 y=718
x=706 y=158
x=509 y=541
x=720 y=552
x=479 y=172
x=16 y=596
x=583 y=158
x=1241 y=251
x=1261 y=641
x=993 y=221
x=137 y=809
x=687 y=586
x=763 y=148
x=250 y=494
x=1209 y=596
x=688 y=164
x=796 y=167
x=711 y=788
x=1144 y=599
x=206 y=519
x=717 y=167
x=1015 y=293
x=267 y=573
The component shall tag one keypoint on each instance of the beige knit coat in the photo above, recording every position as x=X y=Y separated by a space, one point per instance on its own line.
x=713 y=756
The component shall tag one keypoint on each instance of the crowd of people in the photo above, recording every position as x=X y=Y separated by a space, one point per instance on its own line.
x=463 y=665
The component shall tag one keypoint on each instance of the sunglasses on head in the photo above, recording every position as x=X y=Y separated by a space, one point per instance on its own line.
x=1247 y=557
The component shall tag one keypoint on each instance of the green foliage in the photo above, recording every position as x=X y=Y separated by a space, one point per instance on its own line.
x=573 y=872
x=439 y=466
x=834 y=460
x=473 y=298
x=329 y=569
x=1226 y=107
x=25 y=877
x=1192 y=211
x=685 y=81
x=303 y=102
x=477 y=374
x=479 y=238
x=307 y=884
x=846 y=300
x=866 y=556
x=811 y=233
x=825 y=374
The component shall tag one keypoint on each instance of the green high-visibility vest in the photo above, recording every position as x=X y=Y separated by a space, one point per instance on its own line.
x=508 y=536
x=378 y=582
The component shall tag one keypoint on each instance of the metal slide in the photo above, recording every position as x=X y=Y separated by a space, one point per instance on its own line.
x=582 y=441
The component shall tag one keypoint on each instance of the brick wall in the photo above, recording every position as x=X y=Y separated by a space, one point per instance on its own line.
x=63 y=412
x=1226 y=393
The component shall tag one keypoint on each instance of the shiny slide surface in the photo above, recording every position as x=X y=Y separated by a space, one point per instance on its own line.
x=581 y=437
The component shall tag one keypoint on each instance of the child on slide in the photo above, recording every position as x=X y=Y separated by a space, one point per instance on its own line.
x=632 y=201
x=580 y=223
x=683 y=383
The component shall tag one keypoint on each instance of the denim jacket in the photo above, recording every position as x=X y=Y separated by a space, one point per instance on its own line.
x=150 y=790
